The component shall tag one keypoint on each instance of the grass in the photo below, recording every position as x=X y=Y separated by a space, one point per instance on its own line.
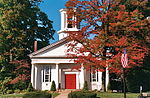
x=55 y=94
x=99 y=94
x=12 y=96
x=117 y=95
x=21 y=95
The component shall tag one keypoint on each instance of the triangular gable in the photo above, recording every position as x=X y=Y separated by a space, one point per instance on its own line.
x=57 y=49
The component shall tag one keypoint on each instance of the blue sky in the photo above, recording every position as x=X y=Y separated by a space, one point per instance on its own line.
x=51 y=8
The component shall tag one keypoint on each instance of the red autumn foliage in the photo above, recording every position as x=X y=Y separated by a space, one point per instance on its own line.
x=114 y=28
x=22 y=71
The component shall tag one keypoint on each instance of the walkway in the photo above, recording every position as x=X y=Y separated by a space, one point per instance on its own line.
x=64 y=93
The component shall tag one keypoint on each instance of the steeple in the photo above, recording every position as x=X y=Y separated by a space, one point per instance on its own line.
x=65 y=26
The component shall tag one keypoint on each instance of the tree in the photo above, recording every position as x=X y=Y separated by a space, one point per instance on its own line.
x=53 y=86
x=141 y=76
x=85 y=87
x=106 y=28
x=21 y=72
x=30 y=88
x=21 y=23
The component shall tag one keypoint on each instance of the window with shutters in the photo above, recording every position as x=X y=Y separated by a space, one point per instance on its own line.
x=47 y=74
x=93 y=76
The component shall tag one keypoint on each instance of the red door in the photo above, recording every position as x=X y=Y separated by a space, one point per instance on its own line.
x=70 y=81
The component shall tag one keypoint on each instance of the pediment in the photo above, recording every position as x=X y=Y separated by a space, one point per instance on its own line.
x=58 y=49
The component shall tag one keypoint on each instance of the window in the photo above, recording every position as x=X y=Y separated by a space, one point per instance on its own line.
x=94 y=75
x=47 y=74
x=70 y=25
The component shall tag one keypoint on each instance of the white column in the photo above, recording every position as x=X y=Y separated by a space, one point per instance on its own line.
x=63 y=19
x=32 y=75
x=35 y=78
x=107 y=78
x=78 y=80
x=57 y=75
x=99 y=80
x=82 y=80
x=60 y=80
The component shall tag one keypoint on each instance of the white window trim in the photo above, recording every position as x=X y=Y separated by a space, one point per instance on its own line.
x=44 y=73
x=96 y=76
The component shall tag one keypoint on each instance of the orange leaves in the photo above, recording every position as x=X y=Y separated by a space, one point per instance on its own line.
x=22 y=77
x=122 y=41
x=115 y=41
x=117 y=28
x=85 y=28
x=22 y=71
x=138 y=3
x=101 y=7
x=121 y=15
x=122 y=7
x=71 y=3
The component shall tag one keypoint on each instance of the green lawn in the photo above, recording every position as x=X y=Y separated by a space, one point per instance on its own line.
x=100 y=95
x=21 y=95
x=11 y=96
x=117 y=95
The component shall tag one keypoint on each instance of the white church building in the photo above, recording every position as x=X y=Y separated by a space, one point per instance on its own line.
x=52 y=64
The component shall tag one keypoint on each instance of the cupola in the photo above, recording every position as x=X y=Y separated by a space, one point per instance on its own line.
x=65 y=26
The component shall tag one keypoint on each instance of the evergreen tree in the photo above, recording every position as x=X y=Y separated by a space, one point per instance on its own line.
x=21 y=23
x=30 y=88
x=141 y=76
x=53 y=86
x=85 y=87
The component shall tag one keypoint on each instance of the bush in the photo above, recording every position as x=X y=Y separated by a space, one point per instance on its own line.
x=85 y=88
x=24 y=91
x=30 y=88
x=115 y=85
x=38 y=94
x=82 y=94
x=53 y=86
x=109 y=86
x=20 y=85
x=17 y=91
x=4 y=84
x=9 y=91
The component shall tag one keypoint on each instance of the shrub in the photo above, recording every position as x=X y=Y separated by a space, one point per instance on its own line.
x=30 y=88
x=4 y=90
x=85 y=88
x=24 y=91
x=4 y=84
x=9 y=91
x=82 y=94
x=53 y=86
x=20 y=85
x=38 y=94
x=17 y=91
x=109 y=86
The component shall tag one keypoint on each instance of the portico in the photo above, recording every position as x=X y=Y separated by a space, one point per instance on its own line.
x=43 y=74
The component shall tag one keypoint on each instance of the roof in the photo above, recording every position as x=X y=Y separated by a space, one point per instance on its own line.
x=48 y=47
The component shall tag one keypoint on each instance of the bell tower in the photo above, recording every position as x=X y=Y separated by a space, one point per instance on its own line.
x=65 y=26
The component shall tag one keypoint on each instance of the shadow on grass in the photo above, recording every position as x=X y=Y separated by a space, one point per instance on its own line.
x=116 y=95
